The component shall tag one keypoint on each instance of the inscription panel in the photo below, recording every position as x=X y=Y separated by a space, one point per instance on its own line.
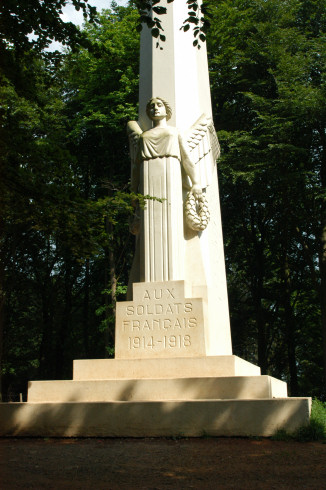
x=160 y=323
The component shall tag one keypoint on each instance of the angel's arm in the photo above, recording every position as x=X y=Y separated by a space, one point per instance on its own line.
x=134 y=131
x=189 y=167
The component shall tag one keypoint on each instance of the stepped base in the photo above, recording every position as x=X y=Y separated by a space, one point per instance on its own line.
x=235 y=387
x=87 y=369
x=215 y=396
x=154 y=419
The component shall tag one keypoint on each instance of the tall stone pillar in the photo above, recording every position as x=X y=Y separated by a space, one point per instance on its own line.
x=179 y=74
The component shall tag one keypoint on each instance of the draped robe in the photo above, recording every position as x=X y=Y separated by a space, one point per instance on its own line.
x=161 y=239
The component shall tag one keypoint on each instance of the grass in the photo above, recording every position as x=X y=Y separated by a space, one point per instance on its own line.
x=315 y=431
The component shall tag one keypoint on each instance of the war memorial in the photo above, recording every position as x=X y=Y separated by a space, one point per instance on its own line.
x=174 y=373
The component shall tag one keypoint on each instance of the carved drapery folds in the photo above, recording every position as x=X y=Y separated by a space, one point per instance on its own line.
x=163 y=163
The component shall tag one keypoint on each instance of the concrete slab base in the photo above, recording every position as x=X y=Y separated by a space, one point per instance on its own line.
x=215 y=396
x=234 y=387
x=153 y=419
x=86 y=369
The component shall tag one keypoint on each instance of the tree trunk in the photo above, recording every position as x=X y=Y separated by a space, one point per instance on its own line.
x=2 y=270
x=2 y=313
x=45 y=352
x=261 y=327
x=107 y=306
x=289 y=318
x=289 y=326
x=65 y=323
x=43 y=275
x=110 y=283
x=257 y=287
x=322 y=262
x=86 y=309
x=322 y=253
x=113 y=281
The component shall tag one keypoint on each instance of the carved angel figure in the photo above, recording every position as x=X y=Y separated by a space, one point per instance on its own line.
x=163 y=162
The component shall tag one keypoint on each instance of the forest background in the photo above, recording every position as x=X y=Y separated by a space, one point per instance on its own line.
x=64 y=201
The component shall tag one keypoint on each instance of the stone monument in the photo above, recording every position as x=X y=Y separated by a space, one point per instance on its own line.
x=172 y=311
x=177 y=155
x=173 y=372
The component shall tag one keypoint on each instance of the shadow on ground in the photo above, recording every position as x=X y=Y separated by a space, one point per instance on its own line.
x=161 y=463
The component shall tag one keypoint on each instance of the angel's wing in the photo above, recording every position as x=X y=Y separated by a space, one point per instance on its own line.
x=203 y=147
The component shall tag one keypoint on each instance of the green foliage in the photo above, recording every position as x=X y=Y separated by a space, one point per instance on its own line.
x=107 y=312
x=64 y=199
x=315 y=431
x=20 y=18
x=198 y=18
x=267 y=69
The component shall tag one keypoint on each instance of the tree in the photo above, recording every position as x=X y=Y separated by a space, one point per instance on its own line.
x=198 y=18
x=61 y=214
x=20 y=19
x=267 y=63
x=65 y=245
x=102 y=101
x=23 y=142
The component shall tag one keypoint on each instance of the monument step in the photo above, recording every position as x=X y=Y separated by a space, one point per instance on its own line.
x=157 y=389
x=154 y=419
x=210 y=366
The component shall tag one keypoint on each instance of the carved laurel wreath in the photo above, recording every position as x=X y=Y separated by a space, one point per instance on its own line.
x=196 y=219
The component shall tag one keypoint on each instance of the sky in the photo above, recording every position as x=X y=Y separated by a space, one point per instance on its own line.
x=69 y=14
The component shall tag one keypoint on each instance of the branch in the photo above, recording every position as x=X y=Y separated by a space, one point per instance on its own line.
x=150 y=12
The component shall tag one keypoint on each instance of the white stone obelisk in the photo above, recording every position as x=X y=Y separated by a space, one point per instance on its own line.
x=179 y=74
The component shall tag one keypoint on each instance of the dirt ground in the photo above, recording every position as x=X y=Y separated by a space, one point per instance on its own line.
x=161 y=463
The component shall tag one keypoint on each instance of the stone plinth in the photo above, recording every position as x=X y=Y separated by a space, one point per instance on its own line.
x=219 y=366
x=216 y=396
x=160 y=322
x=194 y=418
x=237 y=387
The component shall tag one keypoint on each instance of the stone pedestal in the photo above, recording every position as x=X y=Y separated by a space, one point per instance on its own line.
x=160 y=322
x=161 y=383
x=190 y=396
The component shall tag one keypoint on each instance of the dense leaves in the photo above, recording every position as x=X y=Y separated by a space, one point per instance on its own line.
x=198 y=19
x=21 y=19
x=267 y=64
x=64 y=200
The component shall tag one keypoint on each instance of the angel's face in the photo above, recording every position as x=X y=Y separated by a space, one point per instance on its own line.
x=157 y=110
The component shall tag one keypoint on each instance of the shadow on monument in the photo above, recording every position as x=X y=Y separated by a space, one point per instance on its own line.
x=169 y=418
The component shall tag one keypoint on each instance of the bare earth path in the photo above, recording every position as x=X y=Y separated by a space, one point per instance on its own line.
x=161 y=463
